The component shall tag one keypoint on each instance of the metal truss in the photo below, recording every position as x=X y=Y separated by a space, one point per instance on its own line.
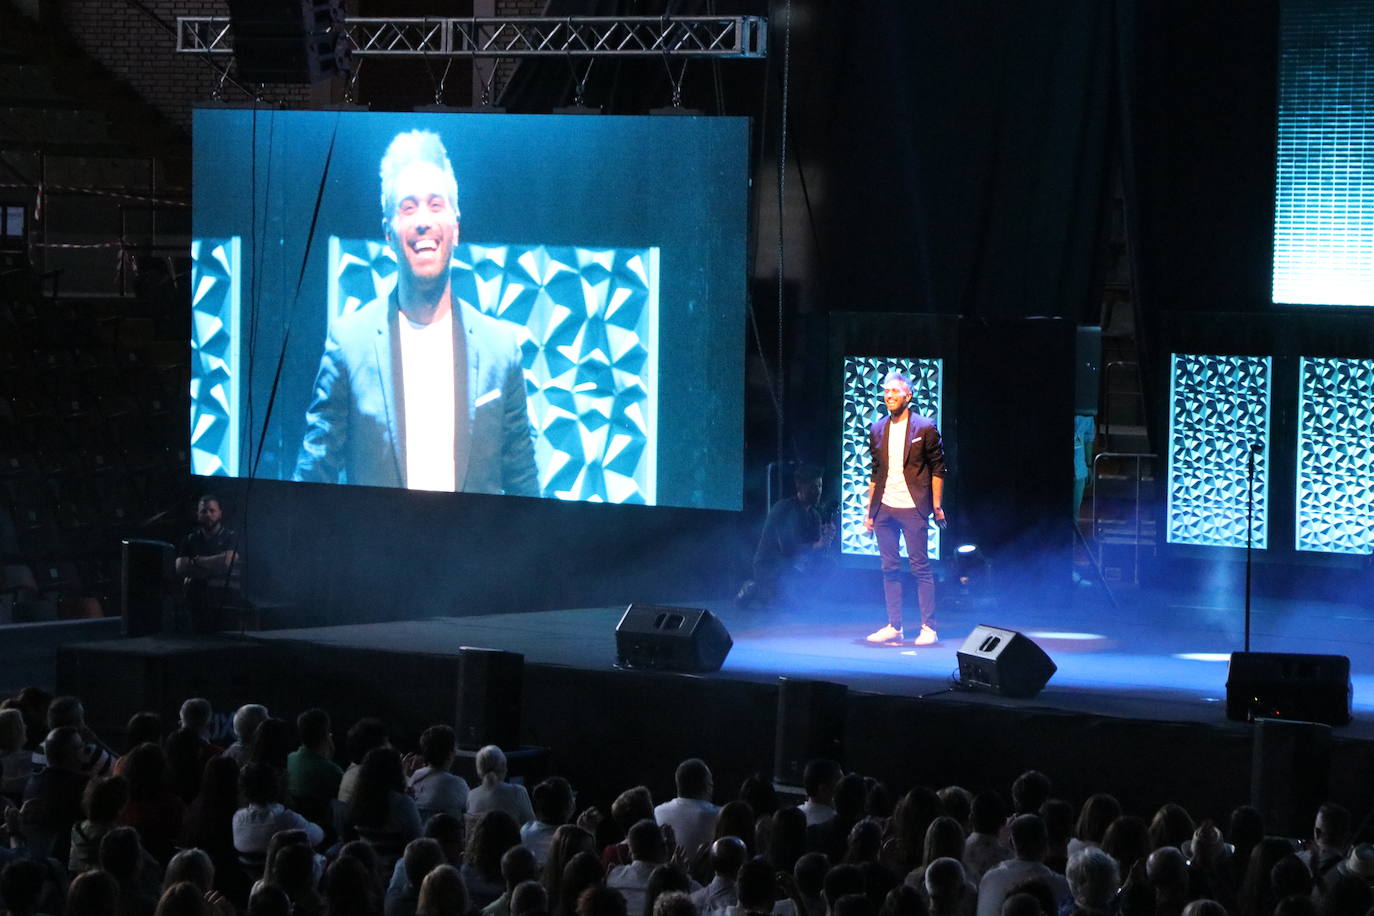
x=737 y=37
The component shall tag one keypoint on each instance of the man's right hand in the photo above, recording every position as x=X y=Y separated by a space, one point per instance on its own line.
x=868 y=523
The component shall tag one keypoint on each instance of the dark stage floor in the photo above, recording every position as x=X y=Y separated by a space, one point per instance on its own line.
x=1148 y=656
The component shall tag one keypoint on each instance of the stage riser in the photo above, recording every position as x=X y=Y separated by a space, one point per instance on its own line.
x=611 y=729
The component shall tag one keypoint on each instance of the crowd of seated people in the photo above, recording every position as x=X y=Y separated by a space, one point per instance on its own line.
x=183 y=822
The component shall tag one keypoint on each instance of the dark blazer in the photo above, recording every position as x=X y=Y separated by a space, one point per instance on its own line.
x=925 y=458
x=355 y=426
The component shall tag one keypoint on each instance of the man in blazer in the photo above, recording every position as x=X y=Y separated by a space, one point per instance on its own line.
x=907 y=487
x=420 y=389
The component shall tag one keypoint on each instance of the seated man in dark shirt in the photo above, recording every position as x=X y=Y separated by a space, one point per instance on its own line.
x=209 y=564
x=794 y=544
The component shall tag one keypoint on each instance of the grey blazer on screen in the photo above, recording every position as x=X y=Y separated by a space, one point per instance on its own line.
x=355 y=425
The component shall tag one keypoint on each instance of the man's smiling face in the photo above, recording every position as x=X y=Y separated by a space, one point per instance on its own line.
x=424 y=227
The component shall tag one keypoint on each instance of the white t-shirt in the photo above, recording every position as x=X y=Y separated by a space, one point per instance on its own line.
x=427 y=377
x=895 y=492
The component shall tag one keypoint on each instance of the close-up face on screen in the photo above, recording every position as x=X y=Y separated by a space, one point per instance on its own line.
x=494 y=304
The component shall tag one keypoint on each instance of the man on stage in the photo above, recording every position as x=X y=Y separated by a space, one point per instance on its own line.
x=907 y=487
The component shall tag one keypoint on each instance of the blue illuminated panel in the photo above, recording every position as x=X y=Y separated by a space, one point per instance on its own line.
x=863 y=404
x=1335 y=489
x=1324 y=214
x=1218 y=409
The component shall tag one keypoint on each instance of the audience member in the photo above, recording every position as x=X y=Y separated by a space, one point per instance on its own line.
x=944 y=839
x=209 y=825
x=197 y=715
x=312 y=776
x=271 y=744
x=1347 y=894
x=553 y=803
x=294 y=867
x=435 y=788
x=381 y=812
x=788 y=838
x=728 y=855
x=908 y=829
x=1245 y=830
x=864 y=843
x=422 y=855
x=96 y=758
x=1029 y=842
x=139 y=875
x=364 y=735
x=246 y=721
x=493 y=833
x=1094 y=818
x=493 y=793
x=529 y=899
x=1029 y=791
x=442 y=893
x=1128 y=841
x=666 y=879
x=819 y=779
x=1330 y=842
x=263 y=814
x=984 y=849
x=904 y=901
x=691 y=815
x=568 y=841
x=16 y=760
x=841 y=881
x=1171 y=826
x=517 y=865
x=629 y=808
x=736 y=819
x=191 y=865
x=349 y=888
x=26 y=888
x=957 y=802
x=1256 y=897
x=1093 y=878
x=142 y=728
x=59 y=788
x=153 y=809
x=648 y=850
x=809 y=877
x=757 y=890
x=675 y=903
x=102 y=801
x=583 y=871
x=185 y=754
x=93 y=893
x=601 y=901
x=757 y=791
x=948 y=890
x=269 y=900
x=447 y=831
x=1058 y=817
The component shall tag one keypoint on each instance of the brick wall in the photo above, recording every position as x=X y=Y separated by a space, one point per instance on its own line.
x=137 y=49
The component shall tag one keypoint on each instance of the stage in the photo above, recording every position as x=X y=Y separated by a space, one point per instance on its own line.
x=1137 y=705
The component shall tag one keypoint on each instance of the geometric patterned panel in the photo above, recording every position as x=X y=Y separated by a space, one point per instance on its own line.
x=1324 y=202
x=1218 y=409
x=215 y=374
x=587 y=323
x=1335 y=491
x=863 y=404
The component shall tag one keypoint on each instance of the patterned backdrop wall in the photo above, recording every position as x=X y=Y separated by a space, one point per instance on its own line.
x=1335 y=480
x=1218 y=409
x=215 y=357
x=587 y=323
x=863 y=404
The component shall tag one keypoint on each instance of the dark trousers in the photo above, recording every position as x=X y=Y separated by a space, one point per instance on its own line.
x=890 y=526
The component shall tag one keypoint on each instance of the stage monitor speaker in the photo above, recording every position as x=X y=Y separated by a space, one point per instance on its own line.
x=1003 y=661
x=146 y=572
x=1286 y=685
x=671 y=639
x=810 y=726
x=287 y=41
x=490 y=683
x=1290 y=773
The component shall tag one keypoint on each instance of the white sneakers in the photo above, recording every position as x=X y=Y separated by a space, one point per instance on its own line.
x=890 y=634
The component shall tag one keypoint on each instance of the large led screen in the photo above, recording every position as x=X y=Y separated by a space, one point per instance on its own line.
x=530 y=305
x=1324 y=208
